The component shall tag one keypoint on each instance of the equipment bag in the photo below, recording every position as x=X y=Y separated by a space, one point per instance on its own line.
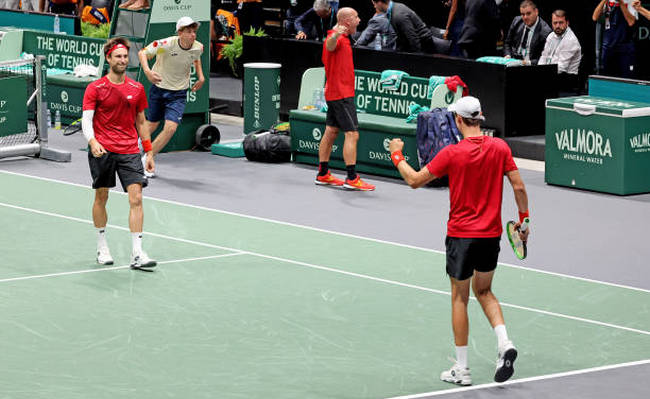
x=436 y=129
x=268 y=146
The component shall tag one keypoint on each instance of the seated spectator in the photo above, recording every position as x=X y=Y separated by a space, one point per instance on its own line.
x=527 y=34
x=617 y=51
x=67 y=7
x=30 y=5
x=413 y=36
x=640 y=9
x=250 y=14
x=226 y=8
x=378 y=26
x=26 y=5
x=478 y=37
x=295 y=10
x=9 y=4
x=135 y=5
x=563 y=49
x=316 y=21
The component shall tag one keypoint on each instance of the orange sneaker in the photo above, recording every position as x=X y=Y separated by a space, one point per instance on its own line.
x=328 y=180
x=358 y=184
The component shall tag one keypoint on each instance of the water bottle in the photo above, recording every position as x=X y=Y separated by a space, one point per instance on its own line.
x=378 y=42
x=57 y=120
x=49 y=118
x=318 y=98
x=57 y=24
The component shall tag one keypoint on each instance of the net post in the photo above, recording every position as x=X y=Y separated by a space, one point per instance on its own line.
x=46 y=152
x=41 y=106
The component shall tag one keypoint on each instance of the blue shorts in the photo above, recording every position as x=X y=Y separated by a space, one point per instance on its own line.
x=169 y=104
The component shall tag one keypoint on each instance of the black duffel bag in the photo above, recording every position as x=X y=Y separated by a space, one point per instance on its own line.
x=268 y=146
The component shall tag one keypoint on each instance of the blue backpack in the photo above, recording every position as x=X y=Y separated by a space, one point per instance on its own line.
x=436 y=129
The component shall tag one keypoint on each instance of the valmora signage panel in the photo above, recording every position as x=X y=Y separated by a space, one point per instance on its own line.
x=13 y=109
x=605 y=148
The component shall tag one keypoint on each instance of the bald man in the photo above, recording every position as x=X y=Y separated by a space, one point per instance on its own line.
x=341 y=111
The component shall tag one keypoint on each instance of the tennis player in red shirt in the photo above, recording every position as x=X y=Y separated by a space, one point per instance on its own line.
x=341 y=111
x=475 y=167
x=113 y=117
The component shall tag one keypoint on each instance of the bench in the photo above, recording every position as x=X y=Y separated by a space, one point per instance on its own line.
x=382 y=116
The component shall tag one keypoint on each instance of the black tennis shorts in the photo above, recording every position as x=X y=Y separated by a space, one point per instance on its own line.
x=464 y=255
x=342 y=114
x=127 y=166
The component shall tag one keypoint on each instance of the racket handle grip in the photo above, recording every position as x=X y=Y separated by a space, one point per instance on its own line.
x=524 y=225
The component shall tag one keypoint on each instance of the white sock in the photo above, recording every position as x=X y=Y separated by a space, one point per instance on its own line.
x=502 y=334
x=101 y=238
x=461 y=356
x=136 y=238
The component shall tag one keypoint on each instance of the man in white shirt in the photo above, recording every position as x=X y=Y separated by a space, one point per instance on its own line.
x=170 y=78
x=562 y=48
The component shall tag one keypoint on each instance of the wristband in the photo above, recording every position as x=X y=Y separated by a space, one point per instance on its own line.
x=146 y=145
x=397 y=157
x=522 y=216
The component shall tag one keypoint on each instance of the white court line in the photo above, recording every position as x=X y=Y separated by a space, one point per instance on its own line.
x=339 y=271
x=103 y=269
x=627 y=287
x=522 y=380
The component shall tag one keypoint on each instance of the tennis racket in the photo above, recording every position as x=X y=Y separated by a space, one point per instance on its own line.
x=72 y=128
x=518 y=246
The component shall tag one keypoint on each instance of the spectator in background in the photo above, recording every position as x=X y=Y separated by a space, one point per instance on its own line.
x=295 y=10
x=316 y=21
x=413 y=36
x=249 y=14
x=527 y=34
x=480 y=30
x=135 y=5
x=216 y=31
x=67 y=7
x=9 y=4
x=30 y=5
x=617 y=53
x=563 y=48
x=378 y=26
x=455 y=22
x=640 y=9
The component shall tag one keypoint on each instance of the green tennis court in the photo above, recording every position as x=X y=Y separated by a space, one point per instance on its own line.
x=243 y=307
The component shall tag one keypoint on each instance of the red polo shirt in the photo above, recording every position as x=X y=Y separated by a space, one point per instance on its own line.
x=475 y=167
x=116 y=107
x=339 y=69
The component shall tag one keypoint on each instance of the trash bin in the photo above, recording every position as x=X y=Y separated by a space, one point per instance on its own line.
x=598 y=143
x=261 y=95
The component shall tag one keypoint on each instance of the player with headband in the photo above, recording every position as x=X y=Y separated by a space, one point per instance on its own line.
x=112 y=120
x=475 y=167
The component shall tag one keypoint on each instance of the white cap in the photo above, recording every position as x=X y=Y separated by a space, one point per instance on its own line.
x=185 y=21
x=467 y=107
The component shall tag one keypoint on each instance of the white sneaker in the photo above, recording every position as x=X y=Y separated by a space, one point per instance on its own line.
x=104 y=256
x=505 y=362
x=144 y=166
x=141 y=260
x=457 y=375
